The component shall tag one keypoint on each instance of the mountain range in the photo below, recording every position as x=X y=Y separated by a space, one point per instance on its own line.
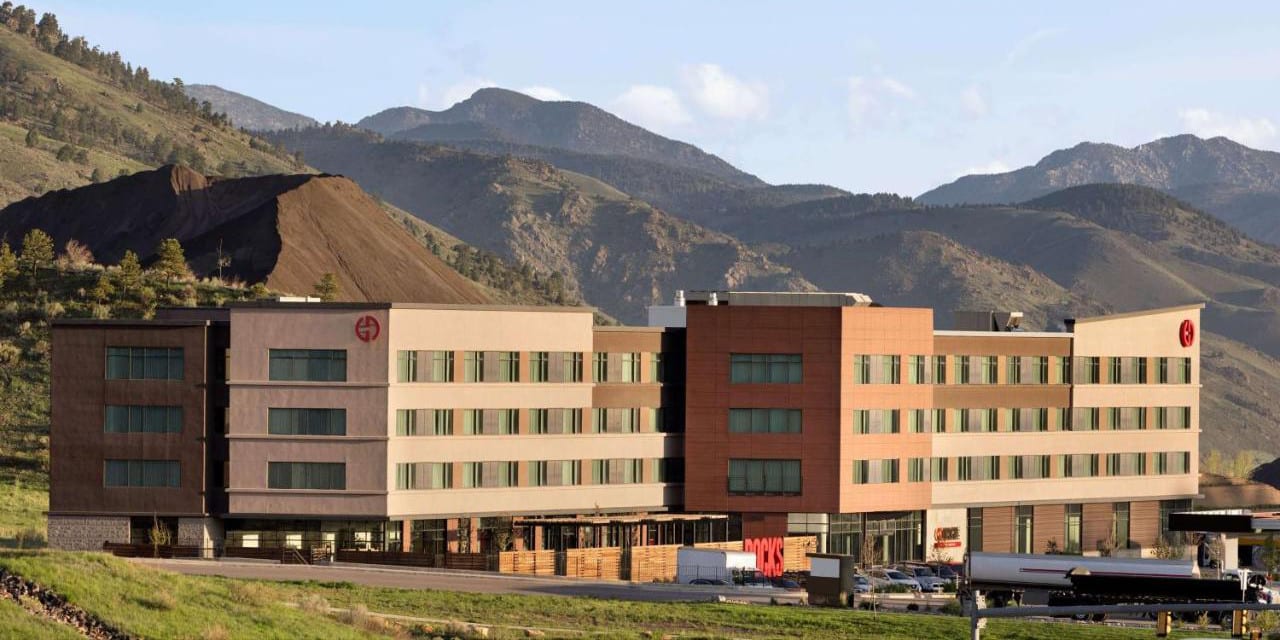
x=246 y=112
x=566 y=194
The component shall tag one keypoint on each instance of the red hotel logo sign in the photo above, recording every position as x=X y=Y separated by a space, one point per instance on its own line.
x=768 y=555
x=946 y=537
x=1187 y=333
x=367 y=329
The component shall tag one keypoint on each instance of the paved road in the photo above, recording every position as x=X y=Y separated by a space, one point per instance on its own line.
x=474 y=582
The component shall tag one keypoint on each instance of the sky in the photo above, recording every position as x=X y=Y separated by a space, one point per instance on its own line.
x=868 y=97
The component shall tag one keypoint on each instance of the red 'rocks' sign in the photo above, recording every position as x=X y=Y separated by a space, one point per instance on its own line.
x=1187 y=333
x=367 y=328
x=768 y=555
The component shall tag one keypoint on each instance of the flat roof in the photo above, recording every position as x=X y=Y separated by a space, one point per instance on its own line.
x=303 y=306
x=781 y=298
x=1002 y=334
x=1135 y=314
x=131 y=322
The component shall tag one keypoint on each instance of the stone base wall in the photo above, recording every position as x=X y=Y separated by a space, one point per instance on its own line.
x=204 y=533
x=87 y=533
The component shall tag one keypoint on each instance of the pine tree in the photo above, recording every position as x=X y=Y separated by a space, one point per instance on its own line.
x=259 y=291
x=33 y=138
x=37 y=252
x=327 y=288
x=171 y=263
x=8 y=263
x=103 y=290
x=130 y=274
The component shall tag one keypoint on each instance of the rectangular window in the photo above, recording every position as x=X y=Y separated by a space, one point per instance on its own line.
x=571 y=421
x=472 y=422
x=144 y=363
x=862 y=369
x=1024 y=528
x=1079 y=465
x=1126 y=464
x=879 y=421
x=1091 y=370
x=141 y=473
x=1162 y=370
x=1120 y=524
x=939 y=369
x=916 y=372
x=473 y=366
x=507 y=474
x=884 y=471
x=1173 y=462
x=631 y=367
x=988 y=371
x=1013 y=370
x=599 y=367
x=974 y=521
x=764 y=477
x=441 y=366
x=657 y=370
x=963 y=369
x=1040 y=375
x=939 y=420
x=1184 y=370
x=759 y=368
x=915 y=470
x=600 y=472
x=1141 y=364
x=1064 y=370
x=306 y=422
x=472 y=475
x=1015 y=420
x=979 y=468
x=424 y=475
x=424 y=422
x=538 y=473
x=916 y=422
x=572 y=366
x=539 y=421
x=325 y=476
x=1074 y=528
x=1162 y=417
x=1029 y=467
x=764 y=421
x=508 y=366
x=142 y=419
x=311 y=365
x=508 y=422
x=892 y=369
x=406 y=366
x=539 y=366
x=1113 y=370
x=938 y=470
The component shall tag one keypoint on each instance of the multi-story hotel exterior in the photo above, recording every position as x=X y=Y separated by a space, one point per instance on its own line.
x=440 y=428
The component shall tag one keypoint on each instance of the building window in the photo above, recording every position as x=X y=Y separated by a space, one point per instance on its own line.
x=764 y=421
x=1074 y=525
x=1013 y=370
x=1085 y=419
x=1079 y=465
x=473 y=366
x=892 y=369
x=472 y=422
x=1040 y=372
x=963 y=369
x=915 y=470
x=555 y=473
x=327 y=476
x=538 y=473
x=668 y=470
x=472 y=475
x=1162 y=370
x=939 y=420
x=539 y=366
x=987 y=371
x=657 y=370
x=307 y=422
x=1184 y=371
x=916 y=372
x=599 y=420
x=539 y=421
x=571 y=421
x=1029 y=467
x=572 y=363
x=441 y=366
x=508 y=366
x=1168 y=507
x=862 y=369
x=938 y=471
x=884 y=471
x=424 y=475
x=1090 y=370
x=759 y=477
x=142 y=473
x=1014 y=420
x=979 y=468
x=939 y=369
x=1024 y=527
x=599 y=367
x=916 y=421
x=1173 y=462
x=758 y=368
x=311 y=365
x=424 y=422
x=144 y=363
x=142 y=419
x=507 y=474
x=630 y=367
x=1113 y=370
x=406 y=366
x=975 y=528
x=878 y=421
x=1120 y=525
x=1126 y=464
x=508 y=422
x=1064 y=370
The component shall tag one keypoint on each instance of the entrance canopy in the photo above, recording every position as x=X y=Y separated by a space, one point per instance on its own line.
x=1225 y=521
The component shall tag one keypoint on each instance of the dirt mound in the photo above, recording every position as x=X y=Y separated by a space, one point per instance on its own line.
x=285 y=230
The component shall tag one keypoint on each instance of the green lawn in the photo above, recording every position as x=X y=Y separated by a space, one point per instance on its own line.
x=16 y=623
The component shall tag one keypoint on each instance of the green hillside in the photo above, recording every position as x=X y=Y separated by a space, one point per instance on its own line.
x=70 y=111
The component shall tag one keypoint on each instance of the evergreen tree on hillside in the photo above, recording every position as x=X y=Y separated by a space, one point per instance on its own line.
x=8 y=263
x=327 y=289
x=171 y=263
x=33 y=138
x=130 y=275
x=37 y=252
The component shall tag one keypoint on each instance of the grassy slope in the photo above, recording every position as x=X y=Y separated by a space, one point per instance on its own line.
x=125 y=594
x=16 y=623
x=27 y=171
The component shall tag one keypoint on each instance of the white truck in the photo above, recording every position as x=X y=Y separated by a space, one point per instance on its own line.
x=713 y=565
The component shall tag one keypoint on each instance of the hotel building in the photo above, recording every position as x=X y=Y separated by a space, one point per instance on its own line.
x=439 y=428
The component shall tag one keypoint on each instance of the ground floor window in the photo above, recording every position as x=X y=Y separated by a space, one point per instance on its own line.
x=366 y=535
x=974 y=518
x=874 y=538
x=1024 y=529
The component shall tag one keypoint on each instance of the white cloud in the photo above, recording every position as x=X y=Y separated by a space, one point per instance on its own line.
x=995 y=166
x=651 y=106
x=544 y=93
x=974 y=102
x=876 y=99
x=453 y=94
x=1247 y=131
x=725 y=96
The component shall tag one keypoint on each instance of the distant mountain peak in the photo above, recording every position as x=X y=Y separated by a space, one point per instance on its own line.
x=248 y=112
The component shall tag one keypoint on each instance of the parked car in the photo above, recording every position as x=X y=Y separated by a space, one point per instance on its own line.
x=929 y=581
x=755 y=579
x=710 y=581
x=788 y=584
x=945 y=572
x=890 y=577
x=862 y=584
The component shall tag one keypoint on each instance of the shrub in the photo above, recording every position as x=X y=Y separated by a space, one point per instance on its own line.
x=247 y=593
x=216 y=632
x=951 y=608
x=314 y=603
